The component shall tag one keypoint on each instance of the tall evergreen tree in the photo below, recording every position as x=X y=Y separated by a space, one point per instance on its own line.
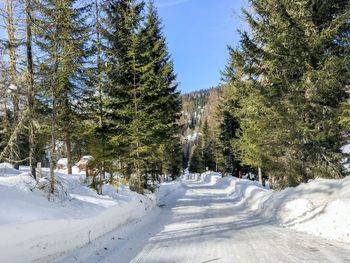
x=208 y=148
x=143 y=103
x=290 y=76
x=62 y=36
x=228 y=132
x=196 y=161
x=125 y=93
x=161 y=96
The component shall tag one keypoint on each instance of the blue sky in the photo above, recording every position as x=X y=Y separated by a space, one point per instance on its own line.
x=198 y=32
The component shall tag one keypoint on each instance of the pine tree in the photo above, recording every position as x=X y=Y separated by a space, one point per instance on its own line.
x=228 y=132
x=208 y=148
x=31 y=92
x=196 y=160
x=289 y=78
x=95 y=122
x=13 y=84
x=161 y=96
x=62 y=37
x=124 y=96
x=142 y=102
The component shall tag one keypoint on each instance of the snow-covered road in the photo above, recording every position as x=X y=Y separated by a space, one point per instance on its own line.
x=199 y=223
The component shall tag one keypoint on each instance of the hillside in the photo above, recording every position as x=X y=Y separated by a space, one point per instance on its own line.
x=198 y=107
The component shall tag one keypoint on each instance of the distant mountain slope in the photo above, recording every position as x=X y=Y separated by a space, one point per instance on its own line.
x=197 y=107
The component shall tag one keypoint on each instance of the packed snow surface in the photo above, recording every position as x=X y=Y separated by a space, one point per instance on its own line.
x=214 y=219
x=320 y=207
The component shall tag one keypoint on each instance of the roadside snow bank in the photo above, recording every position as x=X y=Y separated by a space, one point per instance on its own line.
x=34 y=229
x=209 y=177
x=320 y=207
x=7 y=169
x=165 y=189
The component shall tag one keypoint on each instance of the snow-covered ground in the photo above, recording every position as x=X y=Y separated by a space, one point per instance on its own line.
x=34 y=229
x=320 y=207
x=214 y=219
x=202 y=218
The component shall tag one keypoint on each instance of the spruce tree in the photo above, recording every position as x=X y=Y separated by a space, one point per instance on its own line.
x=95 y=123
x=124 y=102
x=161 y=96
x=196 y=161
x=208 y=148
x=228 y=132
x=62 y=36
x=142 y=101
x=290 y=77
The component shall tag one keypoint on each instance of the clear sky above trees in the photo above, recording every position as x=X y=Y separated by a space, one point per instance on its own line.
x=198 y=32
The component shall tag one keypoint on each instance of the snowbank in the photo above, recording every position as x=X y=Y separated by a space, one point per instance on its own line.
x=7 y=169
x=210 y=177
x=34 y=229
x=320 y=207
x=165 y=189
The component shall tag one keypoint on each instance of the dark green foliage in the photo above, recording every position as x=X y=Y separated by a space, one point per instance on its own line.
x=161 y=96
x=208 y=148
x=105 y=86
x=142 y=103
x=228 y=162
x=173 y=159
x=289 y=78
x=62 y=36
x=196 y=161
x=123 y=22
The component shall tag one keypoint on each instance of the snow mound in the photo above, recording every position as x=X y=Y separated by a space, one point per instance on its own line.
x=210 y=177
x=34 y=229
x=85 y=160
x=320 y=207
x=6 y=169
x=62 y=161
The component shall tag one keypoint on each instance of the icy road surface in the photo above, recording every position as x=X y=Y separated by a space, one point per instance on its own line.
x=199 y=223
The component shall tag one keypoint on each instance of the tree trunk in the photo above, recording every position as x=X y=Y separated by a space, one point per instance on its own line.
x=53 y=148
x=69 y=154
x=102 y=177
x=31 y=91
x=10 y=28
x=304 y=175
x=261 y=177
x=54 y=86
x=100 y=94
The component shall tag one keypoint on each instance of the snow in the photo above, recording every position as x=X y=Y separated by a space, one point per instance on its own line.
x=12 y=88
x=212 y=219
x=62 y=161
x=320 y=207
x=192 y=137
x=346 y=148
x=202 y=218
x=7 y=169
x=84 y=160
x=34 y=229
